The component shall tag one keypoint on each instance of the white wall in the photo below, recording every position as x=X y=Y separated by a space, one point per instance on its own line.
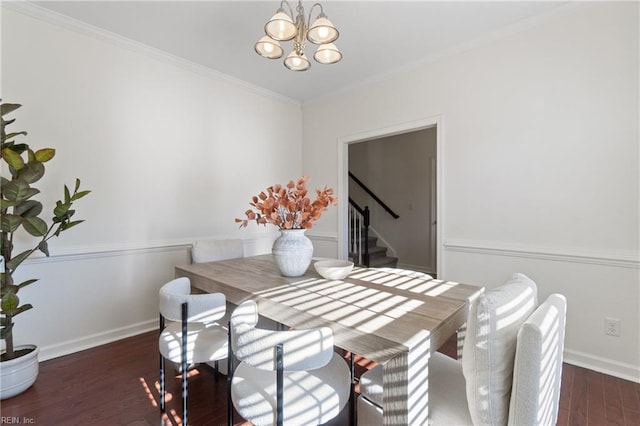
x=540 y=165
x=172 y=153
x=540 y=168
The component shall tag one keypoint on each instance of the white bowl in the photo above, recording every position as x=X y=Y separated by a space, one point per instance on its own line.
x=333 y=269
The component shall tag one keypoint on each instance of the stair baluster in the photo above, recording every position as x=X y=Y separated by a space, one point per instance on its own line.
x=359 y=222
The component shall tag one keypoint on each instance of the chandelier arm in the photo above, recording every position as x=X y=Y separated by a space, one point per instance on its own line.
x=311 y=10
x=283 y=2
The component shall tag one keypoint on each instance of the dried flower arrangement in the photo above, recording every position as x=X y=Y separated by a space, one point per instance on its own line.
x=288 y=207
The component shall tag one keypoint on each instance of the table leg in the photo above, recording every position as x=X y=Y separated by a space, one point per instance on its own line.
x=405 y=381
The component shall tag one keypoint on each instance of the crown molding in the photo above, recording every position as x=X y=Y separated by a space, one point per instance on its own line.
x=460 y=48
x=80 y=27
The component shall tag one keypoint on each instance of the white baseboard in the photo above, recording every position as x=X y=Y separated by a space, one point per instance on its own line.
x=603 y=365
x=91 y=341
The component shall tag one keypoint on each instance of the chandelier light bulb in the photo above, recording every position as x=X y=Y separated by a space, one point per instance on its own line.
x=322 y=31
x=268 y=48
x=281 y=27
x=297 y=62
x=327 y=54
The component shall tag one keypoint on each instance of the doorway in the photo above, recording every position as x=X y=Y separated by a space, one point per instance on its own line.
x=405 y=165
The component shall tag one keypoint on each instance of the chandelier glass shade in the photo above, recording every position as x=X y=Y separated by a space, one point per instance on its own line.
x=269 y=48
x=283 y=27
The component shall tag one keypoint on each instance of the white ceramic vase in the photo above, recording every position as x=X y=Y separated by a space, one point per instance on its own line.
x=17 y=375
x=292 y=251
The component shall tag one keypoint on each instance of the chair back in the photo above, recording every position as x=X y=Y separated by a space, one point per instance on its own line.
x=302 y=349
x=213 y=250
x=490 y=345
x=537 y=373
x=200 y=307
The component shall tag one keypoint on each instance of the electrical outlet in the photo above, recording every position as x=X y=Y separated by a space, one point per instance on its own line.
x=612 y=326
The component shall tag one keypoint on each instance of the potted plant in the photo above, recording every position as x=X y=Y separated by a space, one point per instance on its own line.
x=20 y=212
x=292 y=211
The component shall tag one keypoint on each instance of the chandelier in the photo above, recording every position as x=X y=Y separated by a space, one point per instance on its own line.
x=282 y=27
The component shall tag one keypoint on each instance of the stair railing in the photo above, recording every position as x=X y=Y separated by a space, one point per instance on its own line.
x=374 y=196
x=359 y=221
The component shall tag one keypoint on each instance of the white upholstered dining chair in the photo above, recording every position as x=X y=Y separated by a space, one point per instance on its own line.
x=289 y=377
x=189 y=333
x=511 y=367
x=211 y=250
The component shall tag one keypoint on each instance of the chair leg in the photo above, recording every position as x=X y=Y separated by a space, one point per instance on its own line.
x=352 y=394
x=279 y=384
x=184 y=363
x=229 y=377
x=162 y=396
x=162 y=370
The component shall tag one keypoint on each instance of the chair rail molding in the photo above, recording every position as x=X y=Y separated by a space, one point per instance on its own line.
x=323 y=236
x=618 y=258
x=62 y=254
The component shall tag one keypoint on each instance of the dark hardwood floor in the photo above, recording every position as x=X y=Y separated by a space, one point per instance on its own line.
x=117 y=384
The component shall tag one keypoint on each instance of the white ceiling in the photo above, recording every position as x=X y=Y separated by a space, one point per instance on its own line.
x=377 y=38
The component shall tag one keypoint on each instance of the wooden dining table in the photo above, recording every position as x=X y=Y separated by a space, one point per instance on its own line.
x=394 y=317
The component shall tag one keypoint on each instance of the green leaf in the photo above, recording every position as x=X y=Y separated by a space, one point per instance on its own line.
x=27 y=282
x=17 y=260
x=77 y=185
x=12 y=158
x=45 y=154
x=72 y=224
x=13 y=135
x=44 y=248
x=35 y=226
x=4 y=204
x=61 y=209
x=17 y=311
x=19 y=147
x=6 y=287
x=29 y=208
x=32 y=172
x=79 y=195
x=18 y=191
x=10 y=301
x=67 y=195
x=7 y=108
x=10 y=222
